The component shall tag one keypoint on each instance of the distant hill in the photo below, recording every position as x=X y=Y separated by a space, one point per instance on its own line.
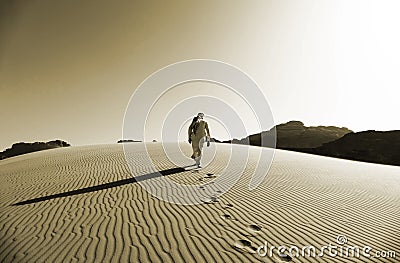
x=294 y=134
x=369 y=146
x=127 y=140
x=23 y=147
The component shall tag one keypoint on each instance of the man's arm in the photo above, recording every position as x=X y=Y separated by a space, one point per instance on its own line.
x=190 y=132
x=207 y=132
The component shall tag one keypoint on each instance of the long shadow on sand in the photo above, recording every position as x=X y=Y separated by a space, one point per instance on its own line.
x=105 y=186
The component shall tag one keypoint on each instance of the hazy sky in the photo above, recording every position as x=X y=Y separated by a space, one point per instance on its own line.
x=68 y=68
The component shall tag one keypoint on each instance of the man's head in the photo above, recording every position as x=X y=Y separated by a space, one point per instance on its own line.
x=200 y=115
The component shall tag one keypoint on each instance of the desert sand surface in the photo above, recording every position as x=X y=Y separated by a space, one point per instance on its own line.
x=80 y=204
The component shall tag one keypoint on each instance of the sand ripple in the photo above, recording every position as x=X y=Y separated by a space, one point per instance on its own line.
x=82 y=204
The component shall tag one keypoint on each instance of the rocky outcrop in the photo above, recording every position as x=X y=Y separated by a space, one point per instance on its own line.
x=369 y=146
x=127 y=140
x=294 y=134
x=23 y=147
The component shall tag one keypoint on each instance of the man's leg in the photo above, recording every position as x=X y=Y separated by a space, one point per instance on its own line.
x=195 y=147
x=198 y=159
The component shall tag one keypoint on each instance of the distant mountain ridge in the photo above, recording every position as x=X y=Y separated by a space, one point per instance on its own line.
x=127 y=140
x=23 y=147
x=294 y=134
x=369 y=146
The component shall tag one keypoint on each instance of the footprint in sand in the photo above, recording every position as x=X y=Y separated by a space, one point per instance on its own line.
x=244 y=245
x=210 y=200
x=251 y=230
x=210 y=176
x=284 y=257
x=228 y=206
x=214 y=199
x=226 y=217
x=254 y=228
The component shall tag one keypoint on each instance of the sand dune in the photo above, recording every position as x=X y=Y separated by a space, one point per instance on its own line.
x=82 y=204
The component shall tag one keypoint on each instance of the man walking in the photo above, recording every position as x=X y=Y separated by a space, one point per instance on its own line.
x=198 y=132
